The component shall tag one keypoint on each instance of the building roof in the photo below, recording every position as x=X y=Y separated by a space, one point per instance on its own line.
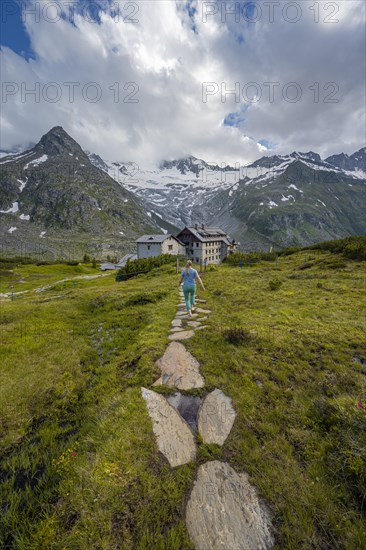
x=125 y=259
x=153 y=238
x=147 y=239
x=207 y=234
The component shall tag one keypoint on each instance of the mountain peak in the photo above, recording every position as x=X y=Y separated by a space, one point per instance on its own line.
x=58 y=142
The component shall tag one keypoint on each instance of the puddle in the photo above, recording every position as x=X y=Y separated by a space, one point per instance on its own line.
x=187 y=406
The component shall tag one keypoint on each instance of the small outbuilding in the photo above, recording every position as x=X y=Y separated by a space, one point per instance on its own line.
x=154 y=245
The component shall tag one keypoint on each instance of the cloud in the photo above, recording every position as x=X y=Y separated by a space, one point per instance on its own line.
x=133 y=91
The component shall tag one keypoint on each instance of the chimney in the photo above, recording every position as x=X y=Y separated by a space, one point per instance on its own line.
x=203 y=226
x=196 y=226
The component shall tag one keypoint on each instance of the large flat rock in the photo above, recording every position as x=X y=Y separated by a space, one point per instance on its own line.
x=200 y=310
x=216 y=417
x=179 y=369
x=224 y=512
x=193 y=324
x=174 y=437
x=183 y=335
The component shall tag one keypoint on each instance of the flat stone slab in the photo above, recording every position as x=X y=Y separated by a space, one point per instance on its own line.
x=176 y=329
x=216 y=417
x=200 y=310
x=202 y=327
x=187 y=406
x=176 y=323
x=193 y=324
x=200 y=301
x=179 y=369
x=193 y=316
x=174 y=437
x=224 y=512
x=183 y=335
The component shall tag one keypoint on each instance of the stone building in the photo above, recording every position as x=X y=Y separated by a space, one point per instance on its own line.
x=154 y=245
x=208 y=245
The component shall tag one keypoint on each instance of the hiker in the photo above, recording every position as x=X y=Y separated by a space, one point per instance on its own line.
x=189 y=286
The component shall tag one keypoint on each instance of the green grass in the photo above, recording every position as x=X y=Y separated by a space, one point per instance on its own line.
x=80 y=466
x=25 y=277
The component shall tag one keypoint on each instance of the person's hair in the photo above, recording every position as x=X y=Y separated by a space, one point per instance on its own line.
x=188 y=266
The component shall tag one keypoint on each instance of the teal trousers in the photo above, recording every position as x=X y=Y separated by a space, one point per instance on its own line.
x=189 y=292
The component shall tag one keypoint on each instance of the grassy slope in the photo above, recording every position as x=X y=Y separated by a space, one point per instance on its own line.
x=80 y=465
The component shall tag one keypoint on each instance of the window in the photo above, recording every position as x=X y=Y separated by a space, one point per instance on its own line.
x=197 y=260
x=148 y=247
x=170 y=247
x=197 y=245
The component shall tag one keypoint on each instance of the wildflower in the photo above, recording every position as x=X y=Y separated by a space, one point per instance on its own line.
x=360 y=405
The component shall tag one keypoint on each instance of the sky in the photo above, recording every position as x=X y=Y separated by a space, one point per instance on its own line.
x=143 y=81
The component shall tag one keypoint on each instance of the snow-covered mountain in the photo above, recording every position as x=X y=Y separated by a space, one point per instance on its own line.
x=188 y=190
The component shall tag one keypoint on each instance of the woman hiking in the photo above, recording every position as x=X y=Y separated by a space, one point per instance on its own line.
x=189 y=276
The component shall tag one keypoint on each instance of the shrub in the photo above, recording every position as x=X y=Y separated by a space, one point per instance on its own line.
x=73 y=263
x=237 y=336
x=143 y=265
x=275 y=284
x=145 y=298
x=351 y=247
x=250 y=258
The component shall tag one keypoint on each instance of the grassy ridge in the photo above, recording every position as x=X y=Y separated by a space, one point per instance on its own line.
x=80 y=467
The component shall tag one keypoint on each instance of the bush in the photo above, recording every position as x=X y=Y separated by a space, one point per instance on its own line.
x=237 y=336
x=351 y=247
x=143 y=265
x=73 y=263
x=275 y=284
x=238 y=258
x=144 y=298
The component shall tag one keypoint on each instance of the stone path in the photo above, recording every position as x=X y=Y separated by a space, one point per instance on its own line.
x=223 y=511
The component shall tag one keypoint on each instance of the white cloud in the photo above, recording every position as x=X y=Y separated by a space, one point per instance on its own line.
x=169 y=60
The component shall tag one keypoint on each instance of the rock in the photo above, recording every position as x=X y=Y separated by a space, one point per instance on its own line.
x=177 y=323
x=181 y=313
x=187 y=406
x=193 y=324
x=183 y=335
x=179 y=368
x=176 y=329
x=200 y=301
x=174 y=438
x=200 y=310
x=223 y=511
x=202 y=327
x=193 y=316
x=216 y=417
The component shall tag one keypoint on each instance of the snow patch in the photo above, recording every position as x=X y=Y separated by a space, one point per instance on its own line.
x=292 y=186
x=42 y=234
x=321 y=202
x=272 y=203
x=12 y=229
x=36 y=162
x=12 y=210
x=25 y=217
x=22 y=184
